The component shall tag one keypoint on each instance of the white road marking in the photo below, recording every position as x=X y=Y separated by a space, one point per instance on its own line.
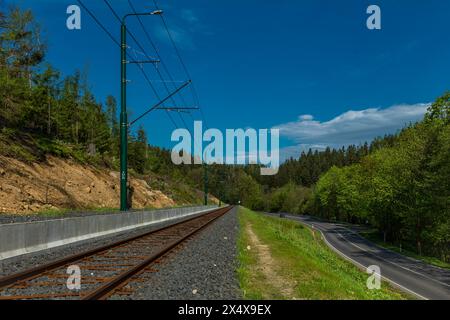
x=361 y=265
x=364 y=267
x=395 y=264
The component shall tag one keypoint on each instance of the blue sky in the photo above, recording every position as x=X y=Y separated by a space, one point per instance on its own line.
x=308 y=67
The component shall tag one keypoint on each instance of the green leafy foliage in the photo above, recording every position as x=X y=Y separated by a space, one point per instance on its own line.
x=403 y=189
x=399 y=183
x=43 y=113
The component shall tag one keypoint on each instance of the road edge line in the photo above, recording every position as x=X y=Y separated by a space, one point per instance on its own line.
x=361 y=265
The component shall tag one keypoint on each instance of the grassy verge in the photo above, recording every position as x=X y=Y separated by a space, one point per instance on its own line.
x=63 y=212
x=375 y=237
x=303 y=260
x=52 y=212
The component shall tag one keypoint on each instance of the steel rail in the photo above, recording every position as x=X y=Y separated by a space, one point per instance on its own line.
x=38 y=271
x=108 y=288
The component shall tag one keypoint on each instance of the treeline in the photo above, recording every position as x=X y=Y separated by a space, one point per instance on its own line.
x=35 y=99
x=291 y=188
x=399 y=184
x=44 y=112
x=403 y=190
x=307 y=169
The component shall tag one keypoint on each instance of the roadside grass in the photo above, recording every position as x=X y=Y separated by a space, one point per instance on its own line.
x=63 y=212
x=52 y=212
x=106 y=210
x=302 y=259
x=376 y=238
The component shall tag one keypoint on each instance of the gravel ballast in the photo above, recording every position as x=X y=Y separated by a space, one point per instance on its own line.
x=31 y=260
x=204 y=268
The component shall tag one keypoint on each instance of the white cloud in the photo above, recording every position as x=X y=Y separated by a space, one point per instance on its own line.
x=179 y=35
x=189 y=16
x=184 y=28
x=306 y=117
x=351 y=127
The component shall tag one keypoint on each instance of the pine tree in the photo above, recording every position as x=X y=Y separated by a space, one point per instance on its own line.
x=113 y=124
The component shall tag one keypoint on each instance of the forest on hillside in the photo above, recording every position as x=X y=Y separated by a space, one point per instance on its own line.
x=43 y=112
x=403 y=190
x=399 y=183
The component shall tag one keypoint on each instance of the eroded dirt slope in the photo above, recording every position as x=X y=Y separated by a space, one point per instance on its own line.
x=59 y=183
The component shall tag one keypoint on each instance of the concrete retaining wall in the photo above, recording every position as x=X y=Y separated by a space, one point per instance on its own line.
x=22 y=238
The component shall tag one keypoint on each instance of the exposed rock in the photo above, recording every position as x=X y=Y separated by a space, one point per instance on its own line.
x=66 y=184
x=115 y=175
x=12 y=189
x=35 y=207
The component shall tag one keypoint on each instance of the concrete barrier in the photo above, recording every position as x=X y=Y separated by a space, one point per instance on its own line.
x=22 y=238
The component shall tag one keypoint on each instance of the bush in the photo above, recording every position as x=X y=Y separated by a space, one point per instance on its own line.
x=290 y=198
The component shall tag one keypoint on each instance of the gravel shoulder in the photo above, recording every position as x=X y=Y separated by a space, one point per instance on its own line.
x=203 y=269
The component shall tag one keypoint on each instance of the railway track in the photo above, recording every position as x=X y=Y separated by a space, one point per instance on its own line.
x=107 y=270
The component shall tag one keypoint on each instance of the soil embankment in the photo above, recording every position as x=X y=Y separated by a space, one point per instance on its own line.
x=61 y=184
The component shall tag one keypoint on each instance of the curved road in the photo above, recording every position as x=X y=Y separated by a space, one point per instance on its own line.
x=416 y=277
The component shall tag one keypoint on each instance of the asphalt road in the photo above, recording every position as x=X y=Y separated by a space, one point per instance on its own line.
x=416 y=277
